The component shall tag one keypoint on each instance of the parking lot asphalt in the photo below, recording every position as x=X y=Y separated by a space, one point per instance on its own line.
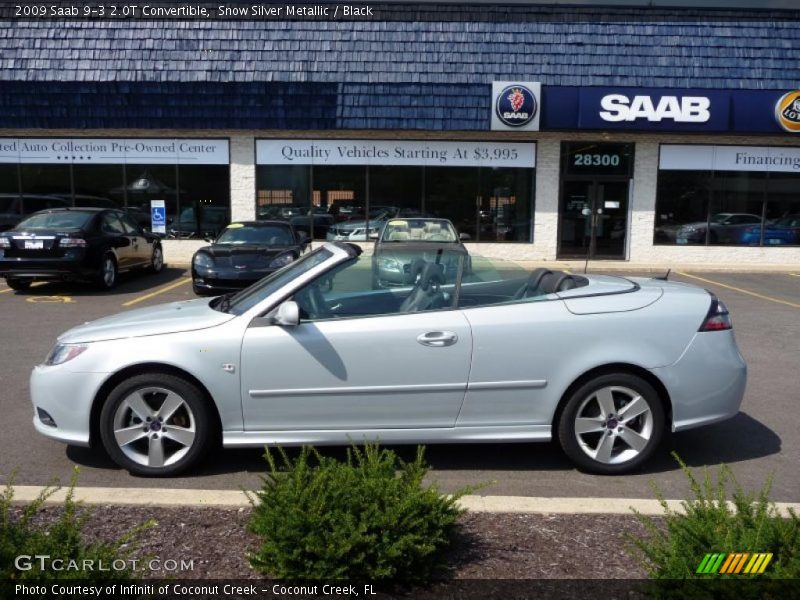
x=762 y=441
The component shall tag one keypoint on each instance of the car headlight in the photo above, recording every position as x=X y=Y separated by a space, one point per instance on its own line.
x=203 y=260
x=62 y=353
x=389 y=264
x=5 y=242
x=281 y=261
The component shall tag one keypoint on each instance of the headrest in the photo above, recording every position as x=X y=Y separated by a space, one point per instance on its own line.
x=398 y=236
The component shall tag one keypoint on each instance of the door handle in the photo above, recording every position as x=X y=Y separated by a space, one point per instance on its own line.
x=437 y=339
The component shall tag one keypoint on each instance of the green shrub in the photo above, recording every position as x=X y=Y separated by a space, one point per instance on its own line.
x=367 y=518
x=721 y=517
x=60 y=539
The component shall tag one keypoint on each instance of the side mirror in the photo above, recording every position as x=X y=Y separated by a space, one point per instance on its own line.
x=209 y=238
x=287 y=314
x=464 y=237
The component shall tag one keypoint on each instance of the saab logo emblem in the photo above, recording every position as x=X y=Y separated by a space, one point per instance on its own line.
x=516 y=106
x=787 y=111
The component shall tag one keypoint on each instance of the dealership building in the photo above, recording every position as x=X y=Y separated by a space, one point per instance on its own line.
x=632 y=133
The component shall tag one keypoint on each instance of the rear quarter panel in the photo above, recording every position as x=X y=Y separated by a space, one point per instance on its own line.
x=543 y=341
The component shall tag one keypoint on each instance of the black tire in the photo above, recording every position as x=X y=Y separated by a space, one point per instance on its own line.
x=649 y=425
x=19 y=284
x=157 y=259
x=107 y=279
x=196 y=413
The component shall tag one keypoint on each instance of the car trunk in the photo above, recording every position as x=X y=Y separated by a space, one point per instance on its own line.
x=39 y=243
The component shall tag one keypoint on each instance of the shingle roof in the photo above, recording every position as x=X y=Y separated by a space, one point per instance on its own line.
x=342 y=73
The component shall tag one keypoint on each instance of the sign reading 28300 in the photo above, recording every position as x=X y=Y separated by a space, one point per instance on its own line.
x=597 y=160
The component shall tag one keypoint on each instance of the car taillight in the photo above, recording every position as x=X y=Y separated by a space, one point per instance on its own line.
x=5 y=242
x=718 y=318
x=72 y=243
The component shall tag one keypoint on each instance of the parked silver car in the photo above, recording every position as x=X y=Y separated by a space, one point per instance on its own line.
x=314 y=355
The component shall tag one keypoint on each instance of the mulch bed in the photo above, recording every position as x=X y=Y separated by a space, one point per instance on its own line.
x=491 y=546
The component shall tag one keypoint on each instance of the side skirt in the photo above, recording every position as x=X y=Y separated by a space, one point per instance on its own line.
x=443 y=435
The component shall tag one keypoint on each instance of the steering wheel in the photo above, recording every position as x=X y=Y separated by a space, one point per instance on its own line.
x=532 y=284
x=313 y=299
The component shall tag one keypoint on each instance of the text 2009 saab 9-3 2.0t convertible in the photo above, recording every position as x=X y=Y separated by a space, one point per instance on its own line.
x=315 y=354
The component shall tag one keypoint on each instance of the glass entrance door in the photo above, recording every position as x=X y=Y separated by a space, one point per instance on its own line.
x=594 y=219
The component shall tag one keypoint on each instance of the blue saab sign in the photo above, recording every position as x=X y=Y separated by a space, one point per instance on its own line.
x=653 y=109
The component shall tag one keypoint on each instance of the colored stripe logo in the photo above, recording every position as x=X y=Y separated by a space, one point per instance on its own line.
x=734 y=563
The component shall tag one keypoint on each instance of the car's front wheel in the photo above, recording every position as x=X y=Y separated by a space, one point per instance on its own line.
x=611 y=424
x=157 y=260
x=19 y=284
x=155 y=424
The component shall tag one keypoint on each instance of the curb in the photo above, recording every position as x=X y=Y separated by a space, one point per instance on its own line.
x=477 y=504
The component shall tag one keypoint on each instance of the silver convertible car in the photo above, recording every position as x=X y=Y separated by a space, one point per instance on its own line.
x=314 y=354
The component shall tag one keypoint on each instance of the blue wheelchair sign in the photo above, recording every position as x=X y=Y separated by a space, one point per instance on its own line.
x=158 y=216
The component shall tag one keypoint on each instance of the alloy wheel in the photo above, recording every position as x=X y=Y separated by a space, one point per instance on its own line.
x=109 y=272
x=158 y=259
x=154 y=427
x=613 y=425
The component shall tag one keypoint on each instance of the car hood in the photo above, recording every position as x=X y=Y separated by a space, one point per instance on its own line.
x=189 y=315
x=252 y=255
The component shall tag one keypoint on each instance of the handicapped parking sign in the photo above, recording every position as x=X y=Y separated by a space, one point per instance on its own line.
x=158 y=216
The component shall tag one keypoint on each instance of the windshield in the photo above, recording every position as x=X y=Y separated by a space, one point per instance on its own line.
x=272 y=235
x=419 y=230
x=248 y=298
x=719 y=218
x=790 y=221
x=56 y=220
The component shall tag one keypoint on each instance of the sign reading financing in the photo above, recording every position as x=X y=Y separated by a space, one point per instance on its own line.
x=787 y=111
x=516 y=105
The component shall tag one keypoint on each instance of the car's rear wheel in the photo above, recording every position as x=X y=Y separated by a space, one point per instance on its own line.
x=157 y=260
x=107 y=277
x=19 y=284
x=611 y=424
x=155 y=424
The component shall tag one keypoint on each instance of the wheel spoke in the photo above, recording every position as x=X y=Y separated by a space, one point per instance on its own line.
x=606 y=401
x=155 y=452
x=129 y=434
x=636 y=407
x=633 y=439
x=588 y=425
x=171 y=403
x=137 y=404
x=183 y=436
x=604 y=448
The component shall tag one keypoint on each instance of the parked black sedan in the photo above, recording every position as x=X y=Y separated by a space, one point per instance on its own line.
x=244 y=253
x=76 y=244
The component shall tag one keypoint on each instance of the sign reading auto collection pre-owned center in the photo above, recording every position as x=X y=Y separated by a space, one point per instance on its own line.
x=114 y=151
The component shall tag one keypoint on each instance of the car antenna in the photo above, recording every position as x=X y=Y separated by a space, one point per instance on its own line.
x=665 y=276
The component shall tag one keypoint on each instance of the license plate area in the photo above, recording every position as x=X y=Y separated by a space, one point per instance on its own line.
x=34 y=244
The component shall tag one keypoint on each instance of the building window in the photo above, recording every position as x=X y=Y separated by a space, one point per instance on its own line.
x=101 y=186
x=728 y=195
x=192 y=177
x=353 y=186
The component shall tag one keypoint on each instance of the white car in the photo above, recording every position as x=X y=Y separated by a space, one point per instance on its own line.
x=314 y=354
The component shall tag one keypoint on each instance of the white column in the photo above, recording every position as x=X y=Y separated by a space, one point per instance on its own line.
x=243 y=178
x=645 y=177
x=545 y=226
